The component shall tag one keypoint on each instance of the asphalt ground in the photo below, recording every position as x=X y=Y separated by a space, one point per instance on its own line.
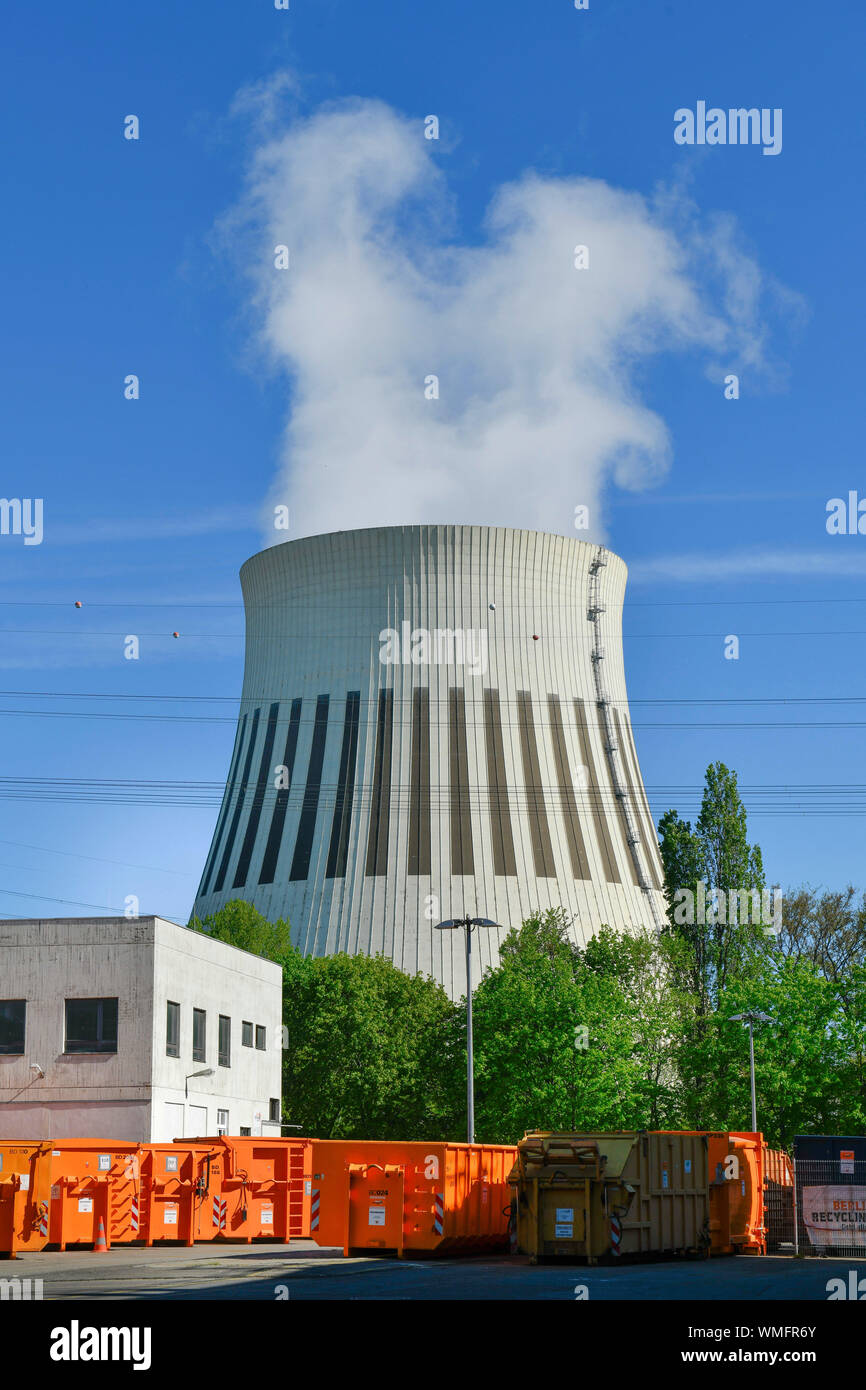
x=304 y=1272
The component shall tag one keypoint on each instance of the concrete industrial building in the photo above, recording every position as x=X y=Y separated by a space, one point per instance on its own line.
x=434 y=721
x=135 y=1029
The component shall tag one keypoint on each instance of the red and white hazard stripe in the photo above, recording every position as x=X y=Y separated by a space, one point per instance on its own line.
x=219 y=1213
x=615 y=1235
x=43 y=1218
x=314 y=1210
x=438 y=1213
x=133 y=1214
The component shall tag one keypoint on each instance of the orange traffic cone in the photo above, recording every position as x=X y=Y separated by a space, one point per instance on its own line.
x=100 y=1248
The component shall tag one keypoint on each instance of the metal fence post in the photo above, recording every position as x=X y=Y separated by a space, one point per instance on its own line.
x=794 y=1194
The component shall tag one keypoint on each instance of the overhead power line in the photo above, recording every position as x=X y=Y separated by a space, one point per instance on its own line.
x=235 y=604
x=781 y=799
x=259 y=699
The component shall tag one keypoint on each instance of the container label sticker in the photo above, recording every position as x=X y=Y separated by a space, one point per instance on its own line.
x=267 y=1216
x=376 y=1216
x=171 y=1163
x=55 y=1192
x=169 y=1216
x=846 y=1161
x=688 y=1165
x=308 y=1187
x=25 y=1182
x=85 y=1204
x=563 y=1231
x=105 y=1163
x=55 y=1153
x=564 y=1214
x=664 y=1177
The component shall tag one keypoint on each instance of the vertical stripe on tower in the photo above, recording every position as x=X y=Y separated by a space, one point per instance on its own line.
x=419 y=785
x=500 y=811
x=243 y=867
x=242 y=791
x=599 y=810
x=233 y=772
x=380 y=811
x=542 y=850
x=462 y=861
x=278 y=818
x=620 y=807
x=309 y=809
x=338 y=850
x=573 y=832
x=650 y=847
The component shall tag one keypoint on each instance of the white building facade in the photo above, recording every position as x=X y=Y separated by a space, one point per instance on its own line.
x=107 y=1024
x=434 y=721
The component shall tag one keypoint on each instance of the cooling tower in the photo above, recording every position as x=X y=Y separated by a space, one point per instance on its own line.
x=434 y=722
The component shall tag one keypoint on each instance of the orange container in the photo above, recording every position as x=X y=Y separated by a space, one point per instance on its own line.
x=93 y=1178
x=266 y=1188
x=736 y=1180
x=399 y=1198
x=25 y=1186
x=778 y=1169
x=181 y=1191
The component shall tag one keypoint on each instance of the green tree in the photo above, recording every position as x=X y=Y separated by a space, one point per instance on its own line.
x=712 y=877
x=370 y=1051
x=240 y=924
x=827 y=929
x=800 y=1059
x=557 y=1044
x=648 y=970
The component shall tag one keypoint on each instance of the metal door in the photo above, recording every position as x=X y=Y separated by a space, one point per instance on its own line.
x=375 y=1217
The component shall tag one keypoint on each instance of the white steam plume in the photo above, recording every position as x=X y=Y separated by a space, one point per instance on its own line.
x=537 y=361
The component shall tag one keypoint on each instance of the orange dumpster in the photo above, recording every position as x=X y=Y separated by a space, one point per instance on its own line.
x=181 y=1191
x=736 y=1183
x=778 y=1169
x=25 y=1186
x=396 y=1198
x=264 y=1188
x=93 y=1178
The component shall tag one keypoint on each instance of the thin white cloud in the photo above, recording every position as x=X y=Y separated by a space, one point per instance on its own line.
x=835 y=560
x=187 y=522
x=539 y=363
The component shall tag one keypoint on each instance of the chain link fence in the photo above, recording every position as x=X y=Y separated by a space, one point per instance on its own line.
x=815 y=1206
x=830 y=1207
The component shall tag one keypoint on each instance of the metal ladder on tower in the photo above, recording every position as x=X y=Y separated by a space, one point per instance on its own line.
x=595 y=610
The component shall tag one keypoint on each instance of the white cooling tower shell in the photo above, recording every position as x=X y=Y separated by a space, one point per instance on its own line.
x=434 y=722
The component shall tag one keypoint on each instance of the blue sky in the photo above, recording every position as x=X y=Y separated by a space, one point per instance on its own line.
x=114 y=260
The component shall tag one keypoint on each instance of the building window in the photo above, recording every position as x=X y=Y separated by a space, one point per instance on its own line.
x=245 y=1132
x=222 y=1122
x=12 y=1016
x=199 y=1035
x=91 y=1025
x=172 y=1029
x=261 y=1038
x=274 y=1115
x=247 y=1034
x=225 y=1041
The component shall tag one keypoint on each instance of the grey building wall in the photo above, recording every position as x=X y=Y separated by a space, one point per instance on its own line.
x=137 y=1092
x=425 y=789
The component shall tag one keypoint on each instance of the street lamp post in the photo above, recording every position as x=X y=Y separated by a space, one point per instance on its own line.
x=752 y=1016
x=452 y=925
x=208 y=1071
